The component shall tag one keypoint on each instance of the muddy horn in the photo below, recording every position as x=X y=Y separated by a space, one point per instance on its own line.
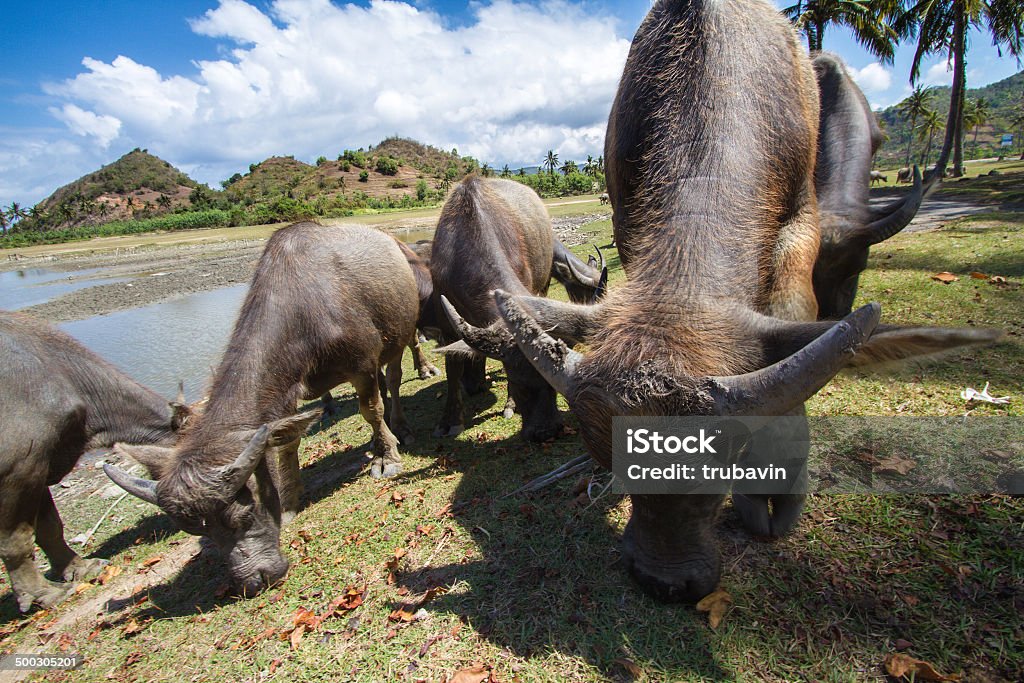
x=555 y=361
x=785 y=385
x=144 y=489
x=891 y=219
x=492 y=341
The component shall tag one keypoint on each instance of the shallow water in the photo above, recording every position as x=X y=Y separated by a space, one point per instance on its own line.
x=157 y=345
x=32 y=286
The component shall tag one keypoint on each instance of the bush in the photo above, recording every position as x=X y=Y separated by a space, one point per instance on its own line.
x=364 y=176
x=387 y=166
x=357 y=159
x=421 y=190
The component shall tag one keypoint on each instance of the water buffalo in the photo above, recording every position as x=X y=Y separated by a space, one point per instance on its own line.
x=58 y=400
x=878 y=177
x=296 y=337
x=585 y=283
x=492 y=234
x=904 y=175
x=418 y=256
x=716 y=220
x=847 y=139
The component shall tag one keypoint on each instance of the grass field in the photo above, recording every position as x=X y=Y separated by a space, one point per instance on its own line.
x=531 y=585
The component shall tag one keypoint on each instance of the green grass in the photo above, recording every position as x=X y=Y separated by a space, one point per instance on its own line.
x=533 y=584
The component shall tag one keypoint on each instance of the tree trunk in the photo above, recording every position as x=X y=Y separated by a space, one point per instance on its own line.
x=910 y=144
x=956 y=95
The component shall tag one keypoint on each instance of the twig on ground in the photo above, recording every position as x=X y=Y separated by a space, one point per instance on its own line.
x=565 y=470
x=83 y=539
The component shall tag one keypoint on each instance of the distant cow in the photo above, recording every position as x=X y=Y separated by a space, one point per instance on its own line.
x=585 y=283
x=877 y=177
x=904 y=175
x=58 y=400
x=296 y=337
x=603 y=197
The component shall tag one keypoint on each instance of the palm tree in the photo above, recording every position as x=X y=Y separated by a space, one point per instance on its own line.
x=916 y=105
x=506 y=172
x=550 y=162
x=942 y=26
x=164 y=201
x=867 y=19
x=931 y=125
x=979 y=118
x=486 y=171
x=522 y=173
x=1017 y=122
x=568 y=167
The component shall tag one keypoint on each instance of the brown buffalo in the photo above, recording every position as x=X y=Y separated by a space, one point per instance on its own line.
x=296 y=337
x=710 y=154
x=58 y=400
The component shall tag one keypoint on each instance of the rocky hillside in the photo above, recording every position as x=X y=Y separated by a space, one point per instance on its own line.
x=135 y=186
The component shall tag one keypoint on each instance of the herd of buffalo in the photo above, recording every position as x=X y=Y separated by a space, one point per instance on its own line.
x=738 y=171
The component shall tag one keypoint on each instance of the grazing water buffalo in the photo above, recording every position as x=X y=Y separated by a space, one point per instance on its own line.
x=716 y=220
x=58 y=400
x=585 y=283
x=878 y=177
x=296 y=337
x=492 y=234
x=847 y=139
x=904 y=175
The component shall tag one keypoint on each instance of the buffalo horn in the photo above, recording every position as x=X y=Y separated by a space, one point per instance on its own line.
x=144 y=489
x=487 y=341
x=896 y=216
x=237 y=473
x=555 y=361
x=778 y=388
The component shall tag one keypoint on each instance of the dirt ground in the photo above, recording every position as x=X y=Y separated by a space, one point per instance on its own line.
x=157 y=273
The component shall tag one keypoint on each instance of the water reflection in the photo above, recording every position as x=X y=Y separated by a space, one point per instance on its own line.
x=159 y=344
x=33 y=286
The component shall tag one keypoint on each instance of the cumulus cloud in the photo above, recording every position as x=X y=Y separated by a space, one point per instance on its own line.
x=872 y=79
x=938 y=74
x=309 y=77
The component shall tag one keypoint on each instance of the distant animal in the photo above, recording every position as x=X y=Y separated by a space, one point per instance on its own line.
x=58 y=400
x=603 y=197
x=492 y=234
x=878 y=177
x=848 y=138
x=717 y=314
x=585 y=283
x=296 y=337
x=905 y=174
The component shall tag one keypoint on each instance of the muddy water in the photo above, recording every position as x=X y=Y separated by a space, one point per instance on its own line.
x=159 y=344
x=31 y=286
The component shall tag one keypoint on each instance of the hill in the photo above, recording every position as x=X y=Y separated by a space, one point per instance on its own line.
x=137 y=185
x=1005 y=99
x=425 y=158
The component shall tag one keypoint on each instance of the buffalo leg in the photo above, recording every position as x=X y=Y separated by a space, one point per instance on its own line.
x=288 y=481
x=19 y=508
x=424 y=368
x=452 y=422
x=64 y=562
x=474 y=375
x=386 y=461
x=396 y=419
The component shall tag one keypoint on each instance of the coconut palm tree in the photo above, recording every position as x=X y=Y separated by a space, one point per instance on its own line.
x=941 y=26
x=550 y=162
x=914 y=107
x=568 y=167
x=506 y=172
x=1017 y=123
x=486 y=171
x=979 y=118
x=867 y=19
x=930 y=125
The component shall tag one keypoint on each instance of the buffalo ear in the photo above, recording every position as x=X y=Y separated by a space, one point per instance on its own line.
x=293 y=427
x=569 y=322
x=562 y=272
x=156 y=459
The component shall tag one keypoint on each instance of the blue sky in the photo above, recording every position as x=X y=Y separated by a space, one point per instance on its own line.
x=212 y=86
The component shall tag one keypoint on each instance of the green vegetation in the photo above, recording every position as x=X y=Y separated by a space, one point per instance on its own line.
x=533 y=587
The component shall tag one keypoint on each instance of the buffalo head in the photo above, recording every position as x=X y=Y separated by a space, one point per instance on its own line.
x=234 y=504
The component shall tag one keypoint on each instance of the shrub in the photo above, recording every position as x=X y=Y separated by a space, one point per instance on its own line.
x=387 y=166
x=421 y=190
x=364 y=176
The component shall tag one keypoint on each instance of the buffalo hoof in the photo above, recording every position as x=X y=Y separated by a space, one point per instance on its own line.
x=454 y=430
x=428 y=371
x=82 y=570
x=508 y=412
x=760 y=521
x=379 y=469
x=46 y=597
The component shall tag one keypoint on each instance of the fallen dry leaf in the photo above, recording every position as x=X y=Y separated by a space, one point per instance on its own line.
x=716 y=605
x=108 y=573
x=900 y=665
x=630 y=667
x=474 y=674
x=296 y=637
x=979 y=276
x=152 y=560
x=82 y=587
x=134 y=626
x=352 y=598
x=894 y=465
x=945 y=277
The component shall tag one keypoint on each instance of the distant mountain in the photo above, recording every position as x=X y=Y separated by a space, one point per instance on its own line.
x=1005 y=99
x=136 y=185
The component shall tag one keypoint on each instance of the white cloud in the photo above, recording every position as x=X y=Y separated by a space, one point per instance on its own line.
x=308 y=77
x=872 y=79
x=937 y=74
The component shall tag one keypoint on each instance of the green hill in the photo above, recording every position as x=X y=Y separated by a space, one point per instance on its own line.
x=136 y=185
x=1005 y=100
